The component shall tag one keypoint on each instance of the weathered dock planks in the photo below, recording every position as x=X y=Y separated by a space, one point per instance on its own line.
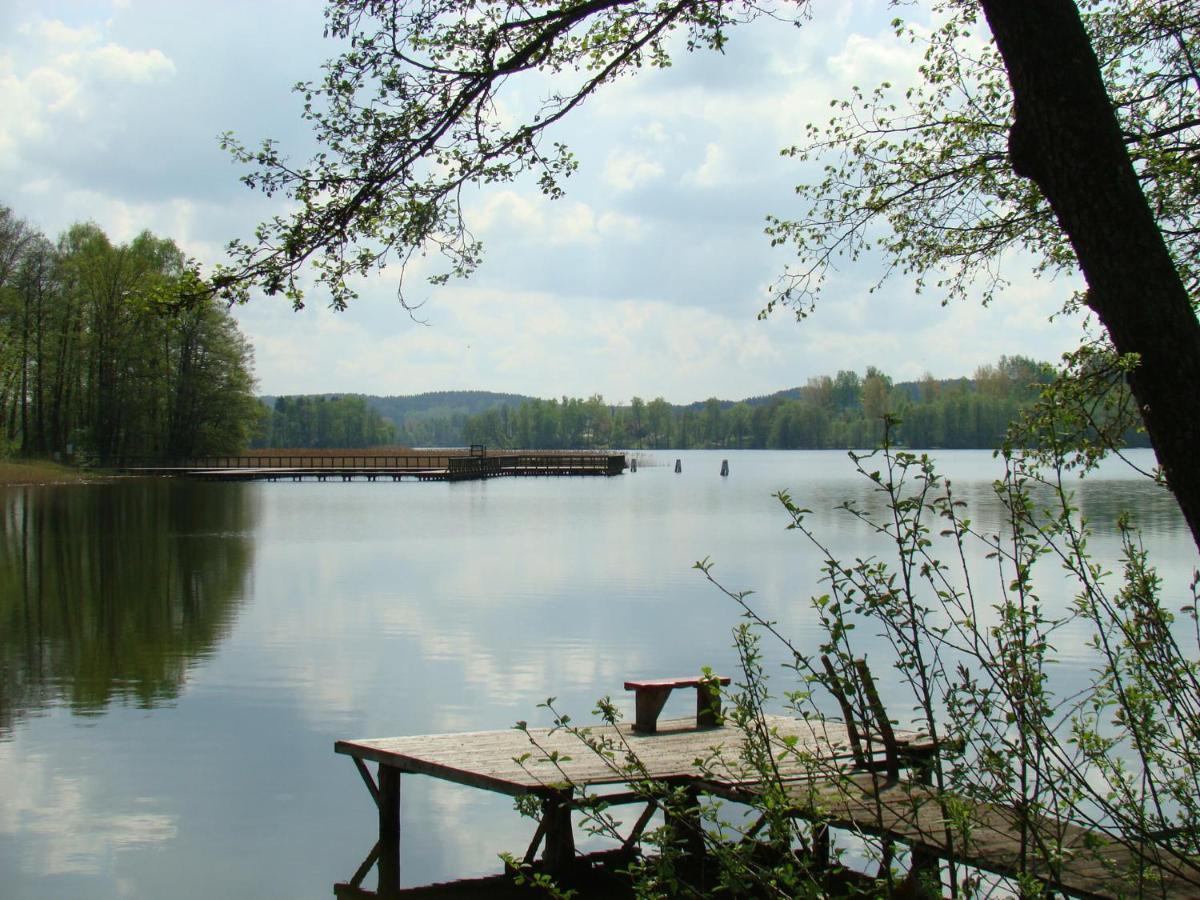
x=487 y=759
x=1076 y=861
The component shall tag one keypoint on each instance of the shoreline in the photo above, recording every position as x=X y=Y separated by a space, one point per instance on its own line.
x=32 y=473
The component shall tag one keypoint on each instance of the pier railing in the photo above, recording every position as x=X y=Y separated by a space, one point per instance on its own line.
x=286 y=461
x=456 y=466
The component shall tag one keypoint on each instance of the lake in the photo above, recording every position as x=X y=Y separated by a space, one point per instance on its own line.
x=178 y=658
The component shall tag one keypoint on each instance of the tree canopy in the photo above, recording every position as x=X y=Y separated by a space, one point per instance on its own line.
x=1071 y=137
x=839 y=412
x=110 y=350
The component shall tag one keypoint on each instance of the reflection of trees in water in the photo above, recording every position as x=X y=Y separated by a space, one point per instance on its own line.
x=110 y=592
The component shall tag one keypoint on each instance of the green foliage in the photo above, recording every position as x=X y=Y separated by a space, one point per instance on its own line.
x=437 y=418
x=407 y=116
x=922 y=171
x=324 y=421
x=846 y=411
x=111 y=350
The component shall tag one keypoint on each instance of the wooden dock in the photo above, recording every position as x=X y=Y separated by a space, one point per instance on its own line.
x=517 y=763
x=831 y=783
x=1070 y=859
x=417 y=467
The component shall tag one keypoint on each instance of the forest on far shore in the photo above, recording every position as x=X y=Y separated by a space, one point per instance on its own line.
x=829 y=412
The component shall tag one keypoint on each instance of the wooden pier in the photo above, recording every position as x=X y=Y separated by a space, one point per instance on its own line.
x=1079 y=862
x=416 y=467
x=857 y=778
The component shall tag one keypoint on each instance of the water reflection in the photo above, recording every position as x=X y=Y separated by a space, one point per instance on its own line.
x=382 y=609
x=597 y=876
x=110 y=593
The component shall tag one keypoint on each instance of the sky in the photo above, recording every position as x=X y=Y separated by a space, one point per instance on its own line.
x=646 y=279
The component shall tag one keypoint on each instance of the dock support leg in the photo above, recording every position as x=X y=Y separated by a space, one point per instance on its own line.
x=389 y=866
x=560 y=838
x=926 y=873
x=689 y=837
x=389 y=804
x=820 y=842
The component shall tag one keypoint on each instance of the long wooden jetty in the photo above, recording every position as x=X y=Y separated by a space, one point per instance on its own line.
x=417 y=467
x=856 y=777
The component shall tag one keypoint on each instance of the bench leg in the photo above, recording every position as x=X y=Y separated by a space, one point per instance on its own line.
x=708 y=705
x=649 y=702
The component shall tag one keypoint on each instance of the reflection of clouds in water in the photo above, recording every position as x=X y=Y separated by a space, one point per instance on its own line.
x=453 y=808
x=452 y=602
x=75 y=834
x=472 y=827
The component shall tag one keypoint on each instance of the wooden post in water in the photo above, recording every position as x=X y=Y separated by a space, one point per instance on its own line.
x=633 y=464
x=678 y=466
x=389 y=865
x=559 y=852
x=724 y=468
x=389 y=803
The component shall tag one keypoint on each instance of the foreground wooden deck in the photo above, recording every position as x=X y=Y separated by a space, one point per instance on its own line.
x=827 y=787
x=1075 y=861
x=488 y=759
x=517 y=763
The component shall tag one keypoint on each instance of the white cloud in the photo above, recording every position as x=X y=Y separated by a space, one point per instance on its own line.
x=626 y=169
x=122 y=64
x=52 y=33
x=509 y=215
x=64 y=88
x=717 y=168
x=646 y=279
x=866 y=61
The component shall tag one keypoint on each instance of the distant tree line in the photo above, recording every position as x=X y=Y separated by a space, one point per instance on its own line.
x=110 y=350
x=323 y=421
x=842 y=411
x=438 y=418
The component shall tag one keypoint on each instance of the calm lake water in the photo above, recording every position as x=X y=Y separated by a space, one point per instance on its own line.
x=177 y=659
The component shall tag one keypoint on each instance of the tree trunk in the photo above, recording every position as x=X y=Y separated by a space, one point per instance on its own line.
x=1066 y=138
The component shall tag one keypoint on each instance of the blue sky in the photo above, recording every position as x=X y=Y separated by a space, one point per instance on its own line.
x=646 y=279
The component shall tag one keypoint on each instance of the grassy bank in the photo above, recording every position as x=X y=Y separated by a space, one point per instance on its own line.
x=42 y=472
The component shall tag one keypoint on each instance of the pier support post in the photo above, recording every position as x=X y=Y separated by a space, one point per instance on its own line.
x=724 y=467
x=389 y=866
x=689 y=837
x=560 y=838
x=389 y=804
x=678 y=466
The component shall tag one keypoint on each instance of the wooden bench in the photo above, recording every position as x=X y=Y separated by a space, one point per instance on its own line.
x=650 y=695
